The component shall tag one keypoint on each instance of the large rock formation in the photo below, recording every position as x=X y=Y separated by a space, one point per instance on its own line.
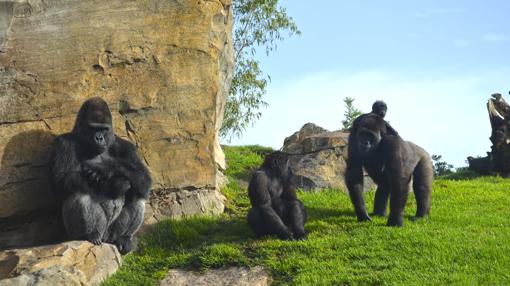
x=318 y=158
x=71 y=263
x=164 y=67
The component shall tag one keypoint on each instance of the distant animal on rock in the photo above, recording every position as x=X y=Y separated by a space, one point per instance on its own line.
x=276 y=209
x=101 y=180
x=391 y=162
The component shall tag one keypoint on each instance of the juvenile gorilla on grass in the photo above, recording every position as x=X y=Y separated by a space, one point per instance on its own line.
x=391 y=162
x=276 y=209
x=100 y=178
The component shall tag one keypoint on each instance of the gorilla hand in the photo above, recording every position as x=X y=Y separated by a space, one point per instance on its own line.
x=118 y=186
x=95 y=176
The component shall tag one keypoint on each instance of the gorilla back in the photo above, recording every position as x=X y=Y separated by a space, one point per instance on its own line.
x=391 y=162
x=101 y=180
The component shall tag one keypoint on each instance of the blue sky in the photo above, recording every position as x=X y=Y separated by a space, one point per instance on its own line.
x=435 y=63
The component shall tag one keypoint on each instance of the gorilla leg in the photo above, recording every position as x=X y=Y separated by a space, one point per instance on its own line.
x=296 y=217
x=128 y=222
x=422 y=186
x=264 y=220
x=256 y=223
x=381 y=200
x=398 y=199
x=84 y=218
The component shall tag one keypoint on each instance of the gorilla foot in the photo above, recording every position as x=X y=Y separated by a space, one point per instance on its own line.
x=418 y=218
x=364 y=218
x=301 y=236
x=380 y=214
x=395 y=221
x=95 y=238
x=124 y=244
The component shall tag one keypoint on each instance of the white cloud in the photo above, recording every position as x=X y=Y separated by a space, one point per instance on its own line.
x=495 y=38
x=445 y=115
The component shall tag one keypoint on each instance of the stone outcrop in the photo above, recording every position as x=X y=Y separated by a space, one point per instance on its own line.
x=235 y=276
x=164 y=67
x=318 y=158
x=71 y=263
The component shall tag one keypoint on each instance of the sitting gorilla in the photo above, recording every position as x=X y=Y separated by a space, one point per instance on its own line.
x=391 y=162
x=276 y=209
x=100 y=178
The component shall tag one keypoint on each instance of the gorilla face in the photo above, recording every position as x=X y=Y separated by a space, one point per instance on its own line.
x=367 y=140
x=94 y=126
x=278 y=164
x=380 y=108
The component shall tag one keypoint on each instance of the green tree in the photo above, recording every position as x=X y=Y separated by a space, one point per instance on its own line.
x=441 y=168
x=350 y=113
x=258 y=25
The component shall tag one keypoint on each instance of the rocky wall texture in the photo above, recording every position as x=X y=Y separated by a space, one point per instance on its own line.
x=163 y=66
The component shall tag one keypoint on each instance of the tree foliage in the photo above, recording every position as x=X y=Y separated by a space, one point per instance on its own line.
x=258 y=25
x=441 y=168
x=350 y=113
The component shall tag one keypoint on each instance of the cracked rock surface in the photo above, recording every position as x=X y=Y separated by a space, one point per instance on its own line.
x=318 y=158
x=69 y=263
x=163 y=67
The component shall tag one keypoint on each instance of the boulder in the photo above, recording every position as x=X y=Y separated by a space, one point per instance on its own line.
x=235 y=276
x=164 y=68
x=70 y=263
x=318 y=158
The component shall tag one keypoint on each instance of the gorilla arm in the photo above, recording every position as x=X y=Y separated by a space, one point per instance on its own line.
x=354 y=179
x=66 y=170
x=258 y=191
x=130 y=168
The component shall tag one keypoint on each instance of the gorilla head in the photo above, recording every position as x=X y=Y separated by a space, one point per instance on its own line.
x=277 y=163
x=369 y=135
x=94 y=125
x=380 y=108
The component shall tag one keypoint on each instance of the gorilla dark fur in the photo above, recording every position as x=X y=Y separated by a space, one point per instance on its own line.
x=391 y=162
x=100 y=178
x=276 y=209
x=380 y=108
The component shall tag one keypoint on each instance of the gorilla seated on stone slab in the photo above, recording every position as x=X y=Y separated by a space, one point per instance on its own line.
x=276 y=209
x=391 y=162
x=101 y=180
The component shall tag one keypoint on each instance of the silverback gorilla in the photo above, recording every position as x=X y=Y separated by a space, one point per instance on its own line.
x=276 y=209
x=391 y=162
x=100 y=178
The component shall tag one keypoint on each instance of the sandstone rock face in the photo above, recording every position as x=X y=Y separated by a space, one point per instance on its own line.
x=318 y=158
x=70 y=263
x=235 y=276
x=164 y=67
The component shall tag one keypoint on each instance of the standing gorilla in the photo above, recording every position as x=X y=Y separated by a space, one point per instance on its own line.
x=391 y=162
x=100 y=178
x=276 y=209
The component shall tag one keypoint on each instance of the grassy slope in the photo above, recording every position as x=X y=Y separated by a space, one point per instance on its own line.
x=464 y=242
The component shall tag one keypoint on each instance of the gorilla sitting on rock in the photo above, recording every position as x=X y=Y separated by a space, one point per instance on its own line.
x=391 y=162
x=100 y=178
x=276 y=209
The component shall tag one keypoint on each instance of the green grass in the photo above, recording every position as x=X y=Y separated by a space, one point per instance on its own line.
x=464 y=242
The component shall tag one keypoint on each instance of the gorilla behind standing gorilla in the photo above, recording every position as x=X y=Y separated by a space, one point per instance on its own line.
x=276 y=209
x=391 y=162
x=100 y=178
